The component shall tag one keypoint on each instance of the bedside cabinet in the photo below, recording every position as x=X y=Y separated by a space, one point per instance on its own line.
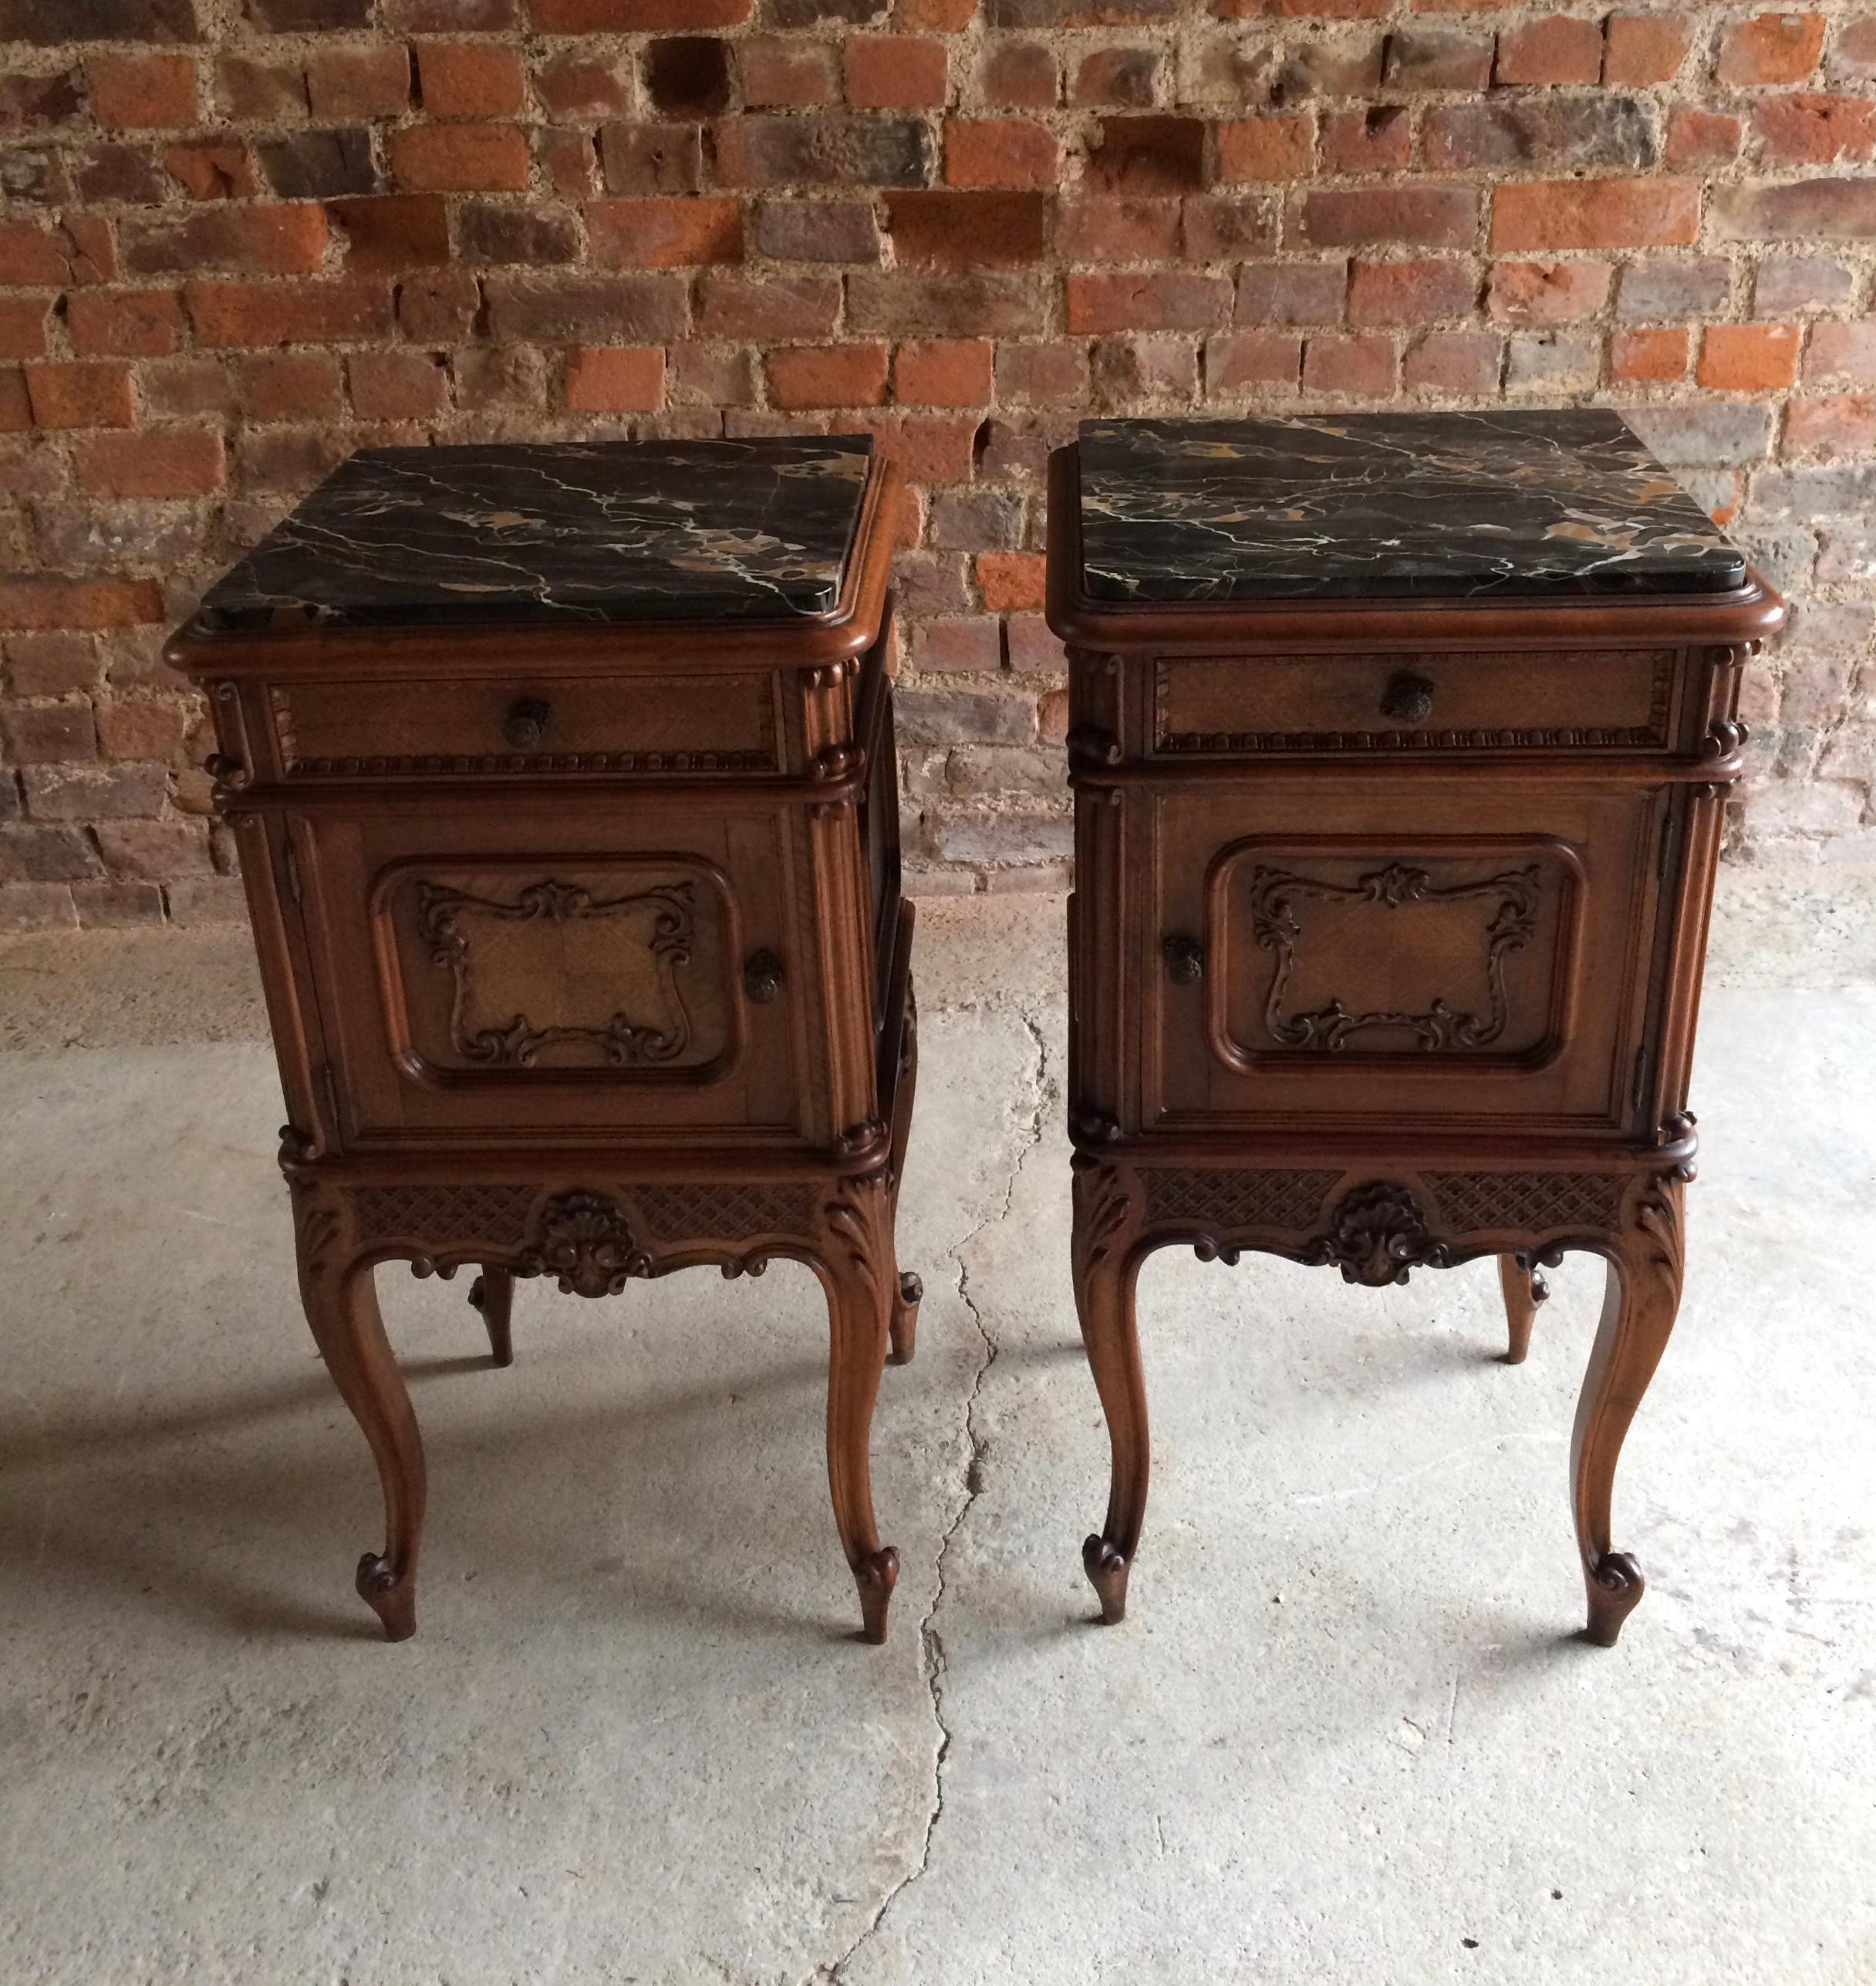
x=564 y=782
x=1400 y=746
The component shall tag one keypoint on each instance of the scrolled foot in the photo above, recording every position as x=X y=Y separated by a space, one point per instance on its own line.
x=390 y=1594
x=1107 y=1573
x=904 y=1327
x=876 y=1576
x=1615 y=1586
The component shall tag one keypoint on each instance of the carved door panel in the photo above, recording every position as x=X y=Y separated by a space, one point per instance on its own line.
x=601 y=968
x=1398 y=951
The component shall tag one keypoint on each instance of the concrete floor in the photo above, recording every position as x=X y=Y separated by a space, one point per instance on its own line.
x=1347 y=1736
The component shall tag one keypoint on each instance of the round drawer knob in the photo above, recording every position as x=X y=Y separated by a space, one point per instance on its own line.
x=1407 y=698
x=526 y=723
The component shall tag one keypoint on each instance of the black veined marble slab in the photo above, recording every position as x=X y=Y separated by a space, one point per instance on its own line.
x=1388 y=505
x=560 y=531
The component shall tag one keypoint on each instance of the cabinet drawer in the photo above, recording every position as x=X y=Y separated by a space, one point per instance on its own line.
x=1622 y=698
x=1441 y=958
x=527 y=725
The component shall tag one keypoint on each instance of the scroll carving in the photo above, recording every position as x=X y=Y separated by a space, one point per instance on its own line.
x=1376 y=1235
x=1275 y=893
x=586 y=1246
x=446 y=921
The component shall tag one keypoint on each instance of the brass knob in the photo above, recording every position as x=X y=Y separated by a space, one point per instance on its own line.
x=1408 y=697
x=526 y=723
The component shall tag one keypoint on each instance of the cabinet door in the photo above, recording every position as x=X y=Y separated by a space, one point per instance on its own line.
x=1396 y=951
x=496 y=972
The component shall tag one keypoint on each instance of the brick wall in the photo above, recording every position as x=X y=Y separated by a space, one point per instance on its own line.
x=242 y=237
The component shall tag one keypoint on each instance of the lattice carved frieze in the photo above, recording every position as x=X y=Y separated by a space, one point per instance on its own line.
x=722 y=1213
x=1237 y=1199
x=1537 y=1202
x=437 y=1217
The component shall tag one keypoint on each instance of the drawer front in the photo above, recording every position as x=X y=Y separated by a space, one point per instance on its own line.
x=1617 y=699
x=1409 y=956
x=636 y=976
x=528 y=725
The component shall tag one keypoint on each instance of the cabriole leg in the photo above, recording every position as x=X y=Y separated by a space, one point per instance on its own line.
x=342 y=1307
x=1524 y=1289
x=1643 y=1293
x=855 y=1263
x=1106 y=1269
x=492 y=1293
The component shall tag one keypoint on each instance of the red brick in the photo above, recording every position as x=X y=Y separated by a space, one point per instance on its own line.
x=1749 y=358
x=154 y=850
x=1842 y=351
x=636 y=17
x=46 y=257
x=1362 y=364
x=126 y=324
x=928 y=448
x=438 y=306
x=731 y=304
x=1842 y=424
x=214 y=169
x=143 y=728
x=23 y=327
x=1547 y=292
x=943 y=372
x=51 y=664
x=392 y=231
x=615 y=380
x=829 y=375
x=142 y=92
x=283 y=237
x=1158 y=300
x=1555 y=47
x=50 y=733
x=1595 y=214
x=1125 y=370
x=567 y=161
x=33 y=602
x=1377 y=138
x=287 y=313
x=1645 y=49
x=687 y=76
x=665 y=234
x=398 y=385
x=1022 y=75
x=1411 y=293
x=1418 y=58
x=1143 y=156
x=459 y=158
x=343 y=84
x=1236 y=359
x=1099 y=228
x=1216 y=228
x=953 y=230
x=1770 y=47
x=1804 y=129
x=1433 y=216
x=957 y=643
x=290 y=386
x=1643 y=357
x=998 y=151
x=1051 y=375
x=580 y=85
x=1266 y=148
x=1115 y=78
x=1453 y=361
x=157 y=462
x=896 y=72
x=1702 y=138
x=1838 y=209
x=1011 y=582
x=469 y=80
x=782 y=72
x=79 y=396
x=1292 y=292
x=270 y=91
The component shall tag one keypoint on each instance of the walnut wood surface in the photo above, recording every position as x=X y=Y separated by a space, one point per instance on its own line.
x=1385 y=953
x=585 y=958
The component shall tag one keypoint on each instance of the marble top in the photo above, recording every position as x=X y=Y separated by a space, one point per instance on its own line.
x=1564 y=501
x=599 y=531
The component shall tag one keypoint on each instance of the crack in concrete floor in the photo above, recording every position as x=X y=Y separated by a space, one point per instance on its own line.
x=930 y=1634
